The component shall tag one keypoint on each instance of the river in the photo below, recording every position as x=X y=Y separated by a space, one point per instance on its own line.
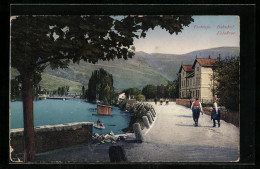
x=49 y=112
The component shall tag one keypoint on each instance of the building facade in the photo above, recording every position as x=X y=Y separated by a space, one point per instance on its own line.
x=196 y=80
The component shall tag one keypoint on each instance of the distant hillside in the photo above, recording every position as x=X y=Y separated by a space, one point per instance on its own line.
x=167 y=64
x=214 y=52
x=129 y=73
x=53 y=82
x=142 y=69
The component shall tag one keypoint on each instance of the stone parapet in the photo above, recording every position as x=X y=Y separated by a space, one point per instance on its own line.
x=51 y=137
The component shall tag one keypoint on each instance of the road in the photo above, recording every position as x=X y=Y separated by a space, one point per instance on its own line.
x=171 y=138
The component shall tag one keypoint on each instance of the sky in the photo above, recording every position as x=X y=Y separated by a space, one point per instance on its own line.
x=205 y=32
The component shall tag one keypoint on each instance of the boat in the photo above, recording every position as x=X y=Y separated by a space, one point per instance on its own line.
x=98 y=126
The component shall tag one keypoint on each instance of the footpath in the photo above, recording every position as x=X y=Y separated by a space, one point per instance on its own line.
x=171 y=138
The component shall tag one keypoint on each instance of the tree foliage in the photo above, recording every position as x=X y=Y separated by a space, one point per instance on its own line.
x=150 y=91
x=132 y=92
x=227 y=77
x=171 y=90
x=15 y=90
x=100 y=87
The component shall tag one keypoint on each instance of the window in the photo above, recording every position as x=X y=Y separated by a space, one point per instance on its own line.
x=193 y=93
x=197 y=80
x=198 y=69
x=188 y=82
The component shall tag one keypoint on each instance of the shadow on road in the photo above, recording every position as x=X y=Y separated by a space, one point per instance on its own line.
x=186 y=125
x=192 y=125
x=184 y=116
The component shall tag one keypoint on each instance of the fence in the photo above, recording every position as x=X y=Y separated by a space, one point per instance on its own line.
x=227 y=116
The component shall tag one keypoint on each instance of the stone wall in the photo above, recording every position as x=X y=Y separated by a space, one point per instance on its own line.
x=53 y=137
x=227 y=116
x=184 y=102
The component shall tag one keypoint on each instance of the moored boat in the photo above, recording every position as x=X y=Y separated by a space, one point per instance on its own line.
x=99 y=126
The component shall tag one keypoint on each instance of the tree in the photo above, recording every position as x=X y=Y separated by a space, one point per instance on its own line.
x=83 y=92
x=140 y=97
x=41 y=41
x=149 y=91
x=161 y=91
x=132 y=92
x=100 y=87
x=15 y=90
x=227 y=77
x=172 y=89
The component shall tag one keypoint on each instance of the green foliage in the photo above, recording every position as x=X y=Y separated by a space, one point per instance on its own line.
x=52 y=83
x=150 y=91
x=100 y=87
x=132 y=92
x=161 y=91
x=227 y=77
x=63 y=91
x=172 y=89
x=15 y=90
x=140 y=97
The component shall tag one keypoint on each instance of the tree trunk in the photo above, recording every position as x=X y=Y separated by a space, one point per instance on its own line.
x=29 y=145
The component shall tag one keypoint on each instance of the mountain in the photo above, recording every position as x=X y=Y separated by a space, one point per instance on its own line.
x=142 y=69
x=214 y=52
x=135 y=72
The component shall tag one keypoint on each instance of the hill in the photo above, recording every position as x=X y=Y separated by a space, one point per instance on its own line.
x=214 y=52
x=142 y=69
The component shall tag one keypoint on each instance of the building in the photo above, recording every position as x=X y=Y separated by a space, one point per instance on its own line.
x=121 y=96
x=196 y=80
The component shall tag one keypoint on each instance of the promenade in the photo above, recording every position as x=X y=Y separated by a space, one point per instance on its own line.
x=171 y=138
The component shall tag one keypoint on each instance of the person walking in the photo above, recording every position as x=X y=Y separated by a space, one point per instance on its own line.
x=167 y=101
x=196 y=109
x=161 y=101
x=155 y=100
x=215 y=113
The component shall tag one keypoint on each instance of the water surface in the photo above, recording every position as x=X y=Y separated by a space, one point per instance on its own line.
x=50 y=111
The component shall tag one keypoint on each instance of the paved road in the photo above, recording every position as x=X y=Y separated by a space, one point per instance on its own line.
x=172 y=138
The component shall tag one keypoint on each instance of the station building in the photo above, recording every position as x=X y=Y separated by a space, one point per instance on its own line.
x=196 y=80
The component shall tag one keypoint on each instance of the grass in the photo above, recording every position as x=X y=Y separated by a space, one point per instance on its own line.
x=51 y=83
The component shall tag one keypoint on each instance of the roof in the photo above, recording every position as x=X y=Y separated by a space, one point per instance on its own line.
x=186 y=68
x=205 y=62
